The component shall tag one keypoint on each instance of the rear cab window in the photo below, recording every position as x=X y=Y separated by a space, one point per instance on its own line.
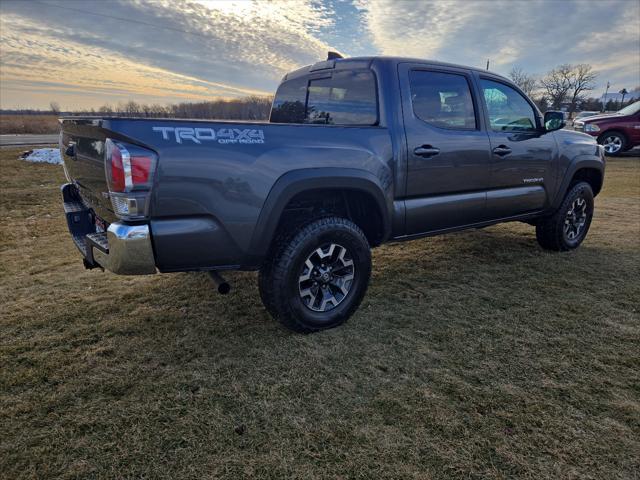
x=340 y=98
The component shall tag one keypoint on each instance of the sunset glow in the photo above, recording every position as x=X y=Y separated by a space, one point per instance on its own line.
x=85 y=54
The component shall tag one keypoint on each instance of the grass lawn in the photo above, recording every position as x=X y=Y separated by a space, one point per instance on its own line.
x=474 y=355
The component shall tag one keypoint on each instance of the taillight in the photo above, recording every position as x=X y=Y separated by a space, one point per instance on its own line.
x=130 y=166
x=140 y=170
x=129 y=170
x=117 y=169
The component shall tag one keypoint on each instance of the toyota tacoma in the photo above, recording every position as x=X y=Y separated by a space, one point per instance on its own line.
x=357 y=152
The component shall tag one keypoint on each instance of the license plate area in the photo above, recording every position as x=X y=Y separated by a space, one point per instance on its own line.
x=100 y=224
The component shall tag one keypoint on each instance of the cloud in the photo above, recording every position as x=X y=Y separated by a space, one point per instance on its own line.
x=534 y=34
x=174 y=50
x=143 y=47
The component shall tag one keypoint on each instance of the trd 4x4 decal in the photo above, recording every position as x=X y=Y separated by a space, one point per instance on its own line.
x=222 y=135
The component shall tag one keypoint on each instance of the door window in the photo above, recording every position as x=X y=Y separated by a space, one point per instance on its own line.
x=442 y=99
x=508 y=110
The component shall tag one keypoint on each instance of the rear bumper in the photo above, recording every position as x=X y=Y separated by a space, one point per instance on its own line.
x=129 y=250
x=123 y=249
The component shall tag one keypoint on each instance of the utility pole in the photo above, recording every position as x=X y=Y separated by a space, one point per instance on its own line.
x=604 y=100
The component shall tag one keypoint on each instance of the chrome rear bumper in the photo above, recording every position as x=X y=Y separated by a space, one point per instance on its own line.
x=130 y=251
x=123 y=249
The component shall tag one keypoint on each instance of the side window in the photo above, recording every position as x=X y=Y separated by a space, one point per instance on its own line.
x=347 y=98
x=289 y=102
x=442 y=99
x=507 y=108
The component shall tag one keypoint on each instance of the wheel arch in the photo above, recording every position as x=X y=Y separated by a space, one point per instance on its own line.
x=590 y=171
x=613 y=130
x=298 y=182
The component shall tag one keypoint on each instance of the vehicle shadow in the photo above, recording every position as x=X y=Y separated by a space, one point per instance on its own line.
x=634 y=152
x=470 y=270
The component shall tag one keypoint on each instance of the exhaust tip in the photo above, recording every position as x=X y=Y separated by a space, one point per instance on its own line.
x=221 y=283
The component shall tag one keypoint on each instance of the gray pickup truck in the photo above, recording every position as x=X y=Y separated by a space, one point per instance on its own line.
x=357 y=152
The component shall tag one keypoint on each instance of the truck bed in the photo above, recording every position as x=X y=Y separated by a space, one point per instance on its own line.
x=213 y=178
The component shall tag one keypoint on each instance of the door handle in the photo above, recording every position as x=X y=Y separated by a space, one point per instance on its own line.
x=502 y=150
x=426 y=151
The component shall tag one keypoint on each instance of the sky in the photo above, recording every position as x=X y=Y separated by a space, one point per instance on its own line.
x=87 y=53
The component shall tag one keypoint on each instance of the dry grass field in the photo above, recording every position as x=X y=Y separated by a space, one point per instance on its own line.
x=474 y=355
x=29 y=124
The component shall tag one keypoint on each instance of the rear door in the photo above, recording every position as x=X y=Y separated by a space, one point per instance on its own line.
x=523 y=155
x=447 y=148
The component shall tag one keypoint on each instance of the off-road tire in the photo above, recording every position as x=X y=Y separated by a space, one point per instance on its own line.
x=279 y=277
x=551 y=231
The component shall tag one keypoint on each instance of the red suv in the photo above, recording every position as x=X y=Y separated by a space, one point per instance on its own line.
x=617 y=132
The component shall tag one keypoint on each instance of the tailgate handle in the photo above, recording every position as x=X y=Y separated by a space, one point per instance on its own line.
x=70 y=151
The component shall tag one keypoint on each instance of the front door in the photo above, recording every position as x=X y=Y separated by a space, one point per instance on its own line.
x=523 y=154
x=447 y=149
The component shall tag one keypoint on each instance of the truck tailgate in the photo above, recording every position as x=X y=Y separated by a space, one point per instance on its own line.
x=82 y=145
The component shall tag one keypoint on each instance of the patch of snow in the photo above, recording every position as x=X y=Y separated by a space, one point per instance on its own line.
x=44 y=155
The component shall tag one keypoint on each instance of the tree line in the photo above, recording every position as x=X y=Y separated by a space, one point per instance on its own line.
x=568 y=86
x=247 y=108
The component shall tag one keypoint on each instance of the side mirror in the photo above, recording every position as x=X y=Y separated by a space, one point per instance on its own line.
x=553 y=120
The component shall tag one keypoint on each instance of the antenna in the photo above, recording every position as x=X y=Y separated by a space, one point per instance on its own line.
x=333 y=55
x=487 y=64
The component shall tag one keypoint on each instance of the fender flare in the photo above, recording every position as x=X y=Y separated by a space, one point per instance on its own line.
x=297 y=181
x=574 y=166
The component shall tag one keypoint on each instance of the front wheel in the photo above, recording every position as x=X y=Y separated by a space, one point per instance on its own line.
x=568 y=226
x=317 y=276
x=614 y=143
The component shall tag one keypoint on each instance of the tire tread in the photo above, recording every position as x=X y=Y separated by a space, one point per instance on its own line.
x=272 y=276
x=549 y=230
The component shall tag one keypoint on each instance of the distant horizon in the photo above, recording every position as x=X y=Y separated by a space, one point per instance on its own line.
x=86 y=54
x=615 y=97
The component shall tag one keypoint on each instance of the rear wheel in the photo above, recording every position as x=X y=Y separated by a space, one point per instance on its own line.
x=614 y=143
x=318 y=276
x=568 y=226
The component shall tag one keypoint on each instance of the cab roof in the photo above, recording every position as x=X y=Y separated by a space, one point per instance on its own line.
x=352 y=63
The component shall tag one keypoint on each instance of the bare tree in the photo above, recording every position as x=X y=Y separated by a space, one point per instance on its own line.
x=542 y=102
x=557 y=84
x=131 y=108
x=582 y=80
x=568 y=83
x=55 y=108
x=525 y=81
x=105 y=110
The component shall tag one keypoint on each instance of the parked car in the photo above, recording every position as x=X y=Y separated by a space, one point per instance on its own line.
x=617 y=132
x=585 y=114
x=358 y=152
x=582 y=115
